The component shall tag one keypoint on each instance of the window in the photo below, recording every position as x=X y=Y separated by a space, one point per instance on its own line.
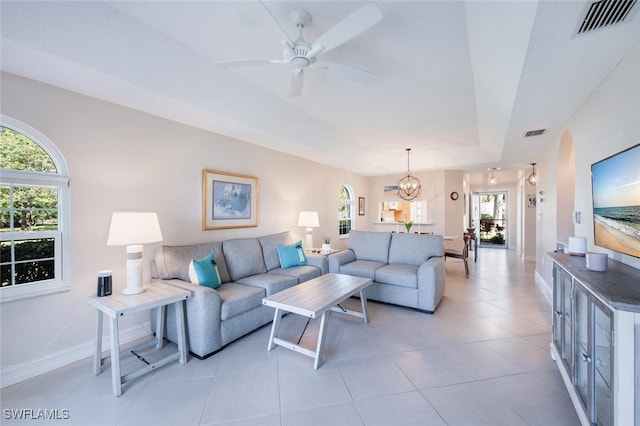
x=33 y=213
x=345 y=211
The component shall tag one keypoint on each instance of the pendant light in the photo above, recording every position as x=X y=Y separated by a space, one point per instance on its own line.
x=409 y=186
x=533 y=177
x=492 y=180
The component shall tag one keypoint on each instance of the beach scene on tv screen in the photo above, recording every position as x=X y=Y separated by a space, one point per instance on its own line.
x=616 y=202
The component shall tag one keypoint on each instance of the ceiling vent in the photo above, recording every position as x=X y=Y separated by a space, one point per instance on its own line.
x=605 y=12
x=534 y=133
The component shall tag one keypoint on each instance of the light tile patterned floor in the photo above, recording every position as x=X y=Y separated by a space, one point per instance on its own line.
x=481 y=359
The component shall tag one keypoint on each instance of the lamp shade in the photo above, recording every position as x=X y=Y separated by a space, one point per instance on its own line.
x=308 y=219
x=129 y=228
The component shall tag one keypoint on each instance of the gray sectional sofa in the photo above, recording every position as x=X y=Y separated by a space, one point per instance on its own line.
x=249 y=270
x=406 y=269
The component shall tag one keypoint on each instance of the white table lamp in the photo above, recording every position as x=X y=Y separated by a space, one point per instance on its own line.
x=309 y=220
x=133 y=229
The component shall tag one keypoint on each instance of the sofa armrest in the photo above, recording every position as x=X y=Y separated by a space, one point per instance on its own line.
x=202 y=313
x=340 y=258
x=431 y=283
x=319 y=261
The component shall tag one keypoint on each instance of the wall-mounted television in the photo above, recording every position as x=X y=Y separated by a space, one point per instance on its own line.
x=615 y=182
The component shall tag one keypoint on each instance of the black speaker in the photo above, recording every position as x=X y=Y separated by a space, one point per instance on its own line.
x=104 y=283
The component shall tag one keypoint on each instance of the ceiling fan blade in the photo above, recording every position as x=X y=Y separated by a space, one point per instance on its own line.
x=243 y=63
x=323 y=65
x=350 y=27
x=315 y=51
x=295 y=83
x=276 y=21
x=349 y=72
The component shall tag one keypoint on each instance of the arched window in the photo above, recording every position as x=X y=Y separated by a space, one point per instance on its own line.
x=34 y=206
x=345 y=211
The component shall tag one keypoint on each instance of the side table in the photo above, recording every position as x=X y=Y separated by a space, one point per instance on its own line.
x=319 y=251
x=157 y=295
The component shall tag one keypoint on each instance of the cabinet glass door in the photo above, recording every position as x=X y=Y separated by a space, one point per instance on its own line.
x=558 y=312
x=602 y=334
x=568 y=320
x=583 y=354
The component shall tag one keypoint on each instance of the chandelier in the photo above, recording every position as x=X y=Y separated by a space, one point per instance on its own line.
x=409 y=186
x=533 y=177
x=492 y=180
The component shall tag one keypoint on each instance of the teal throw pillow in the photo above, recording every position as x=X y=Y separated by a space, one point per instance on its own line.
x=291 y=255
x=205 y=271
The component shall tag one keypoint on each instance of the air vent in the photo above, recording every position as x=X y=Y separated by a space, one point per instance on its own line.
x=534 y=133
x=606 y=12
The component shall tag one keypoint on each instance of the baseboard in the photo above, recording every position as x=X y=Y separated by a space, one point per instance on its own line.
x=17 y=373
x=544 y=286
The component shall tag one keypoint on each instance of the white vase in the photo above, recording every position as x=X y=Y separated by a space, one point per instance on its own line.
x=326 y=248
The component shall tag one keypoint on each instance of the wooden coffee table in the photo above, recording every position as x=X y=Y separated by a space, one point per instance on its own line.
x=315 y=298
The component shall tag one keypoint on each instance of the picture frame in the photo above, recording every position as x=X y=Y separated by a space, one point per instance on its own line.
x=531 y=200
x=360 y=206
x=229 y=200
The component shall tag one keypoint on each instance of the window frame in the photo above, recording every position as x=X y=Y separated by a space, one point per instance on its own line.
x=59 y=180
x=351 y=203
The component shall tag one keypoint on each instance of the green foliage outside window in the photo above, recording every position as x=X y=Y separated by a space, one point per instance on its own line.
x=34 y=261
x=18 y=152
x=25 y=209
x=34 y=208
x=344 y=211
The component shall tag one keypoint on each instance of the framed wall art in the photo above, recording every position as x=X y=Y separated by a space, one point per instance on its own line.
x=360 y=206
x=229 y=200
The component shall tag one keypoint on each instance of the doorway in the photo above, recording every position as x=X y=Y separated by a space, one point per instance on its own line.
x=490 y=212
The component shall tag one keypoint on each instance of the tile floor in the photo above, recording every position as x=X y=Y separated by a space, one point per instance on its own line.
x=481 y=359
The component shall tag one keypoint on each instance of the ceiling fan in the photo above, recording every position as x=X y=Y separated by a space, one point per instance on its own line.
x=301 y=54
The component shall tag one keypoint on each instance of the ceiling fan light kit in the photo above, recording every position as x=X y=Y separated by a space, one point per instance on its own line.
x=409 y=186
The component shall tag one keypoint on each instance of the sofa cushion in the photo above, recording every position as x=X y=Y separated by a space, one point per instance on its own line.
x=269 y=244
x=205 y=271
x=414 y=249
x=244 y=257
x=291 y=255
x=173 y=261
x=397 y=274
x=238 y=299
x=302 y=273
x=361 y=268
x=372 y=246
x=271 y=283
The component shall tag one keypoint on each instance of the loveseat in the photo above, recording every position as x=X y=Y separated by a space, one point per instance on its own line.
x=406 y=269
x=249 y=269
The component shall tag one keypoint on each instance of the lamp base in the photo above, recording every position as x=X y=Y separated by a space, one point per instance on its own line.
x=133 y=290
x=134 y=270
x=309 y=238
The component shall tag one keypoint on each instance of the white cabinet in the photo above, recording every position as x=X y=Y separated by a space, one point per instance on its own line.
x=594 y=337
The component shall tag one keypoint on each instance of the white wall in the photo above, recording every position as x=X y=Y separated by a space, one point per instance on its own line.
x=607 y=122
x=123 y=160
x=454 y=209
